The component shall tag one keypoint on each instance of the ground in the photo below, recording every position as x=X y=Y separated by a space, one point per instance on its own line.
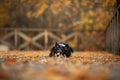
x=36 y=65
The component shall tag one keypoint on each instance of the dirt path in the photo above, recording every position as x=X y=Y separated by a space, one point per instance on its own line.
x=36 y=65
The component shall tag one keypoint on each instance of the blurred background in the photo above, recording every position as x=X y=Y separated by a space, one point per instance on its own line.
x=38 y=24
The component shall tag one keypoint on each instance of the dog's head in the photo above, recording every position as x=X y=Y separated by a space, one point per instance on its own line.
x=59 y=48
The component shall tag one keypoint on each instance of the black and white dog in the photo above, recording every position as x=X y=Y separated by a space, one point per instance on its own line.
x=61 y=49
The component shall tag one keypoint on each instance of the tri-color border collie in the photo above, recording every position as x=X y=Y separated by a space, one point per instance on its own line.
x=61 y=49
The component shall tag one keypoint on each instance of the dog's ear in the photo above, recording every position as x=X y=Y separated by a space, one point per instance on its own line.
x=66 y=45
x=71 y=49
x=56 y=44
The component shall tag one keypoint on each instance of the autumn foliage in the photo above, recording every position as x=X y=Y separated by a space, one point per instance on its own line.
x=25 y=65
x=63 y=14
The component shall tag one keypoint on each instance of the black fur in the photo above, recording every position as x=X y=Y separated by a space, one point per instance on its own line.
x=61 y=49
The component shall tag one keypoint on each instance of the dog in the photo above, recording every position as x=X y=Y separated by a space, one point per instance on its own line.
x=61 y=49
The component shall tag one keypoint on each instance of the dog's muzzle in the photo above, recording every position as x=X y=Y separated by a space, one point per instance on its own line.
x=57 y=54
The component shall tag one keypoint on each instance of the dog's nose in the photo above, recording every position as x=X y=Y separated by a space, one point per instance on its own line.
x=58 y=54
